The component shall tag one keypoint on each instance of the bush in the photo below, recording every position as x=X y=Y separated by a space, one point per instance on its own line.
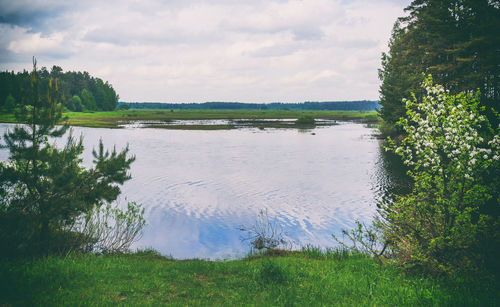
x=305 y=120
x=109 y=229
x=387 y=129
x=265 y=234
x=450 y=222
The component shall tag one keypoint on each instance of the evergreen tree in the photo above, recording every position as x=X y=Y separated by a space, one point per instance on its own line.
x=99 y=95
x=88 y=100
x=44 y=189
x=454 y=40
x=10 y=103
x=398 y=74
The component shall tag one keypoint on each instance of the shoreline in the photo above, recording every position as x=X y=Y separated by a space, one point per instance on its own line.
x=237 y=118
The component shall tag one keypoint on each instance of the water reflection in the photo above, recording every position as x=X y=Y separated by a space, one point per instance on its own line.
x=391 y=178
x=198 y=187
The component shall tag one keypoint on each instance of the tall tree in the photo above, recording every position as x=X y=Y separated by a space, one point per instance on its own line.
x=399 y=75
x=88 y=100
x=454 y=40
x=10 y=103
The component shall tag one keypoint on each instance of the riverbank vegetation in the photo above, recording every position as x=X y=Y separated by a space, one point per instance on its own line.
x=114 y=119
x=448 y=137
x=450 y=222
x=49 y=203
x=311 y=277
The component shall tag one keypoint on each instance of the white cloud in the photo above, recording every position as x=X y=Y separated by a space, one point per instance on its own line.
x=219 y=50
x=35 y=43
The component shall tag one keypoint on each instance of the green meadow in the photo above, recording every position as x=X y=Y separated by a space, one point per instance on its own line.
x=307 y=278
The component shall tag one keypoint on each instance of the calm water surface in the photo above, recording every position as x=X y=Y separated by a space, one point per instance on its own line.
x=199 y=187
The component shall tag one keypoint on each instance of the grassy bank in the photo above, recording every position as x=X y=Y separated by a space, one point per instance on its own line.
x=113 y=119
x=300 y=279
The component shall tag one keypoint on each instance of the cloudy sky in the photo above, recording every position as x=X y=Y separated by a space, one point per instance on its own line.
x=196 y=51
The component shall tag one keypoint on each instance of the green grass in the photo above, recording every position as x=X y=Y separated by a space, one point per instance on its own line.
x=7 y=118
x=113 y=119
x=303 y=278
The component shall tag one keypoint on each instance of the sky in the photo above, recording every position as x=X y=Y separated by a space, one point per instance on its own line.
x=197 y=51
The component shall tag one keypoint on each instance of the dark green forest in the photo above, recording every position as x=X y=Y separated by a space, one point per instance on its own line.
x=363 y=105
x=79 y=90
x=458 y=42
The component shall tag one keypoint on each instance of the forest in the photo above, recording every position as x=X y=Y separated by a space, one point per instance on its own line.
x=455 y=41
x=79 y=90
x=363 y=105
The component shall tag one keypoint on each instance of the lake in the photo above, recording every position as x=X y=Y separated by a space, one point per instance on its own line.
x=200 y=187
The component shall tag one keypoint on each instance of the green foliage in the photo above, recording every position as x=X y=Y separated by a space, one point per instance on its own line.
x=88 y=100
x=305 y=120
x=10 y=103
x=399 y=76
x=99 y=95
x=387 y=129
x=455 y=41
x=451 y=220
x=372 y=118
x=126 y=107
x=364 y=240
x=337 y=254
x=114 y=118
x=75 y=104
x=44 y=190
x=109 y=229
x=361 y=106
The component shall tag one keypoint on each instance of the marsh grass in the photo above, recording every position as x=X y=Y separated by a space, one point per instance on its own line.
x=113 y=119
x=310 y=277
x=337 y=254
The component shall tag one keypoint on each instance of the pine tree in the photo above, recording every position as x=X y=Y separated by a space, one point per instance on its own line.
x=454 y=40
x=399 y=75
x=44 y=189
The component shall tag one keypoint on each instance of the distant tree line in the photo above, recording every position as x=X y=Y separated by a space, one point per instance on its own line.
x=457 y=41
x=79 y=90
x=363 y=105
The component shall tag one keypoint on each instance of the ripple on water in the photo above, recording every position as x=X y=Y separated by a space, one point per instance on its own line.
x=198 y=187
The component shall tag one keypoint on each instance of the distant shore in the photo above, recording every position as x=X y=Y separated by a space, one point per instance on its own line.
x=163 y=118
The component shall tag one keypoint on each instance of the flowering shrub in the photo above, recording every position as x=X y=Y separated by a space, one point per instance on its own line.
x=451 y=219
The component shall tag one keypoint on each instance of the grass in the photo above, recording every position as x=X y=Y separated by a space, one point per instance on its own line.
x=113 y=119
x=310 y=277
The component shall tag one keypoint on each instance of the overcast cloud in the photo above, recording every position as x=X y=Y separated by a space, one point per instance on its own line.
x=196 y=51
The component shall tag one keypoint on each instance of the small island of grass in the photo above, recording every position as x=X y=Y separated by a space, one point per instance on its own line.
x=158 y=118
